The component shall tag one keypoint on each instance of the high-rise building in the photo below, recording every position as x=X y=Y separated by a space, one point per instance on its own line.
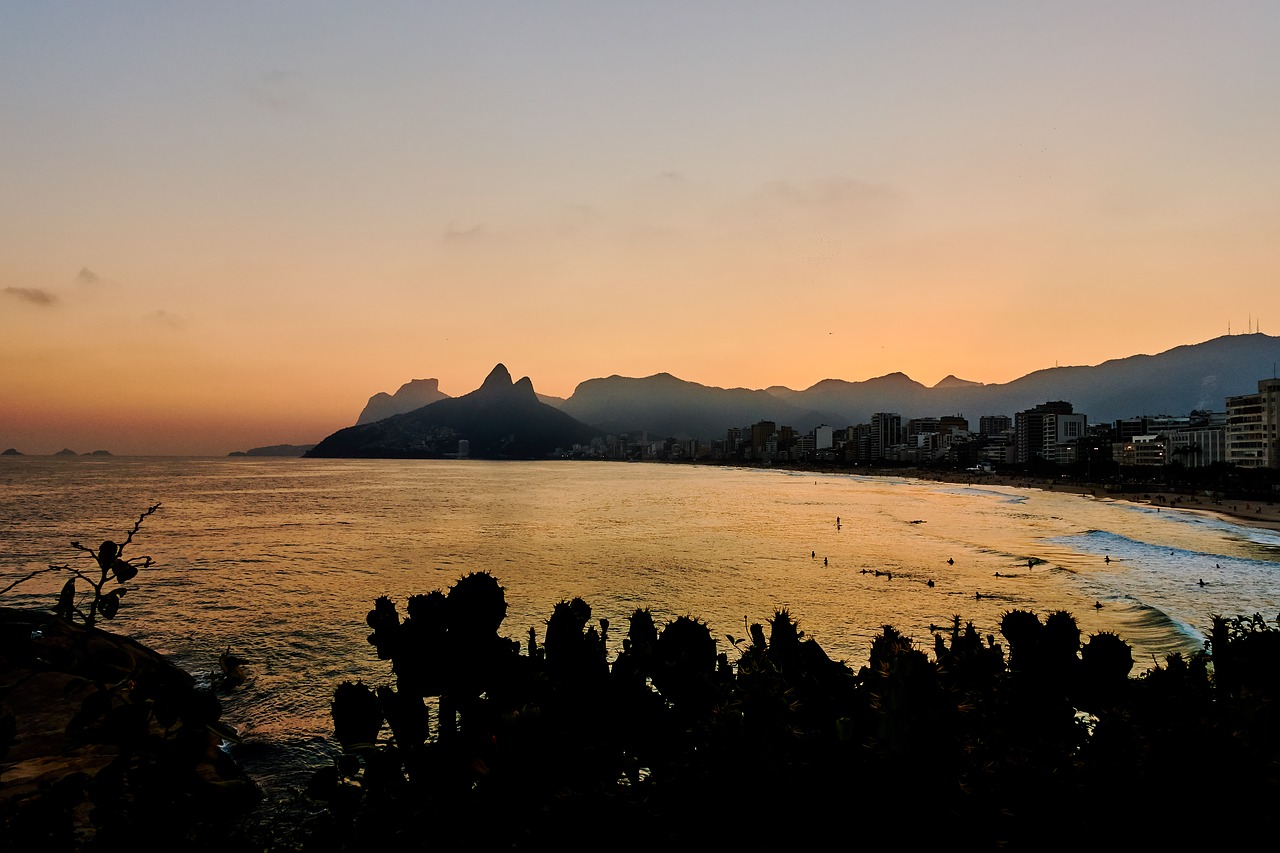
x=1048 y=431
x=1269 y=391
x=1252 y=420
x=994 y=424
x=886 y=431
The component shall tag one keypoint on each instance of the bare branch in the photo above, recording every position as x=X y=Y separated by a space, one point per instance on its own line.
x=81 y=575
x=138 y=524
x=29 y=577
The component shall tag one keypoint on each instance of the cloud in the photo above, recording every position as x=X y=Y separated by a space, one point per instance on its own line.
x=835 y=196
x=88 y=276
x=460 y=236
x=278 y=91
x=34 y=295
x=164 y=318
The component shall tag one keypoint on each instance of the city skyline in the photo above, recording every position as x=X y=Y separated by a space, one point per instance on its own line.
x=228 y=227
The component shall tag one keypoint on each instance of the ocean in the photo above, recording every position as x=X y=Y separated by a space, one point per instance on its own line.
x=280 y=559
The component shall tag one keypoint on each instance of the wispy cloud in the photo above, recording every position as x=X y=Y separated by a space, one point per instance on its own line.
x=33 y=295
x=278 y=91
x=462 y=236
x=834 y=196
x=164 y=318
x=88 y=276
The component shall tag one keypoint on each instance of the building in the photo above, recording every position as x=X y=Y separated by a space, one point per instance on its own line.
x=1146 y=450
x=1253 y=436
x=761 y=432
x=886 y=432
x=994 y=424
x=857 y=443
x=1198 y=448
x=1246 y=433
x=1269 y=391
x=1048 y=432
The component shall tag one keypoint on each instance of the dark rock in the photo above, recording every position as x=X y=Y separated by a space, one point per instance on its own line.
x=107 y=739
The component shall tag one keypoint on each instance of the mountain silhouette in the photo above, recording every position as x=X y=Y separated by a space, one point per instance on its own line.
x=413 y=394
x=499 y=420
x=953 y=381
x=665 y=406
x=1195 y=376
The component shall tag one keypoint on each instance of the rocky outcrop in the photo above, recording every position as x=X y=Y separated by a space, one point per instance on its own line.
x=105 y=742
x=414 y=394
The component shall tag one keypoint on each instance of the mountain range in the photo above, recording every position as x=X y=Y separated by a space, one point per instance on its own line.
x=509 y=419
x=500 y=420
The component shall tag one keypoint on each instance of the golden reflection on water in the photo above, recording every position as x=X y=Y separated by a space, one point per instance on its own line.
x=281 y=558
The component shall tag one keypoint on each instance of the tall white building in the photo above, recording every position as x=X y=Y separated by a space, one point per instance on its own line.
x=1253 y=427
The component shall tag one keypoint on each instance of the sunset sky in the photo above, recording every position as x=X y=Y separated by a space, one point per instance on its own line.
x=225 y=225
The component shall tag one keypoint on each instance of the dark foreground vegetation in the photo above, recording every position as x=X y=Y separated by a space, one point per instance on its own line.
x=1038 y=742
x=1041 y=740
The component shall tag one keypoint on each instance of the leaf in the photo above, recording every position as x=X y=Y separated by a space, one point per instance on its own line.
x=123 y=571
x=111 y=603
x=66 y=600
x=108 y=551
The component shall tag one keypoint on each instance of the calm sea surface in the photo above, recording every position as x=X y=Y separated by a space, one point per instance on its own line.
x=281 y=559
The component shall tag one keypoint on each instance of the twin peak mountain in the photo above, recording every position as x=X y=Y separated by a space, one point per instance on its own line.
x=500 y=420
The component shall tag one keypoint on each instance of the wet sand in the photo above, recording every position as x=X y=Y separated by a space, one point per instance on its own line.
x=1264 y=515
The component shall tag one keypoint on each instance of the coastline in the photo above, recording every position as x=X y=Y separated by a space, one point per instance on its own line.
x=1262 y=515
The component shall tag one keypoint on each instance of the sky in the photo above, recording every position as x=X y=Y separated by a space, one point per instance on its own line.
x=228 y=225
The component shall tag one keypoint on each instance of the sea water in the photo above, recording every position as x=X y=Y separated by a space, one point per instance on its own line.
x=280 y=559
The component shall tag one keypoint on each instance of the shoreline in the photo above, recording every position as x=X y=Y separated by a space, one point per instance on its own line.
x=1260 y=515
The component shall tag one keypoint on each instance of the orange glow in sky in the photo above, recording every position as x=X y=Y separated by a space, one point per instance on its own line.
x=227 y=227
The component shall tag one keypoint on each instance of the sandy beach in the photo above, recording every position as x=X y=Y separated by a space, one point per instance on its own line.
x=1261 y=514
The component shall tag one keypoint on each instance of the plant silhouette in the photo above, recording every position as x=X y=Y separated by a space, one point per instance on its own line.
x=674 y=744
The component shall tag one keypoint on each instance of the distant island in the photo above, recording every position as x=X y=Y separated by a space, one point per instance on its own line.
x=275 y=450
x=66 y=451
